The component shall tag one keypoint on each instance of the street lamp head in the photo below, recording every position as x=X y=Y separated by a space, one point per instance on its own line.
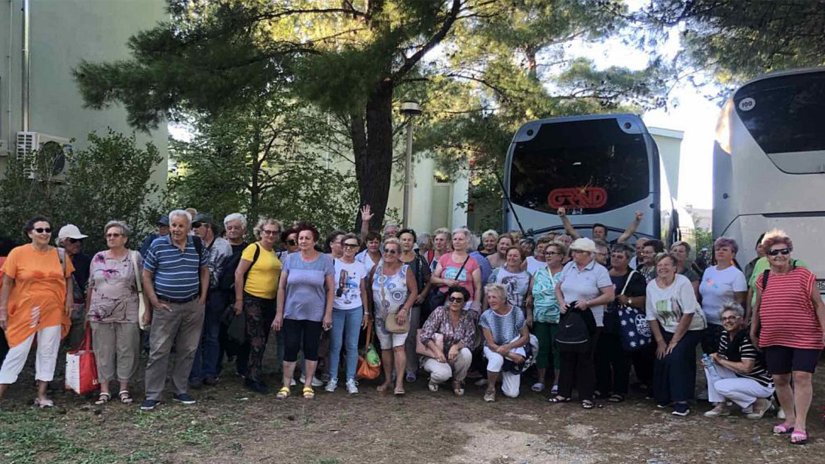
x=410 y=108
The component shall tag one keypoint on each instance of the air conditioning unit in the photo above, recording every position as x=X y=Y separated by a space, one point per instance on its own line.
x=43 y=154
x=4 y=148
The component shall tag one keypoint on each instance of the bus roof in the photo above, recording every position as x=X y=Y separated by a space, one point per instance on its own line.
x=773 y=74
x=629 y=123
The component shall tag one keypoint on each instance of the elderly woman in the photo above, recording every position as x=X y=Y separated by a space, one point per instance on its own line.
x=545 y=311
x=736 y=371
x=393 y=294
x=459 y=268
x=488 y=242
x=586 y=286
x=306 y=290
x=418 y=314
x=498 y=259
x=505 y=336
x=349 y=313
x=371 y=255
x=536 y=262
x=514 y=279
x=441 y=245
x=35 y=299
x=113 y=303
x=676 y=321
x=791 y=316
x=256 y=287
x=449 y=334
x=721 y=283
x=681 y=250
x=612 y=362
x=527 y=245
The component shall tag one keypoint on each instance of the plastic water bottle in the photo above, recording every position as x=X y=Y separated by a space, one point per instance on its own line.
x=710 y=366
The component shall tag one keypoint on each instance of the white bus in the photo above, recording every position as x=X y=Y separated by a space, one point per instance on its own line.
x=769 y=165
x=601 y=168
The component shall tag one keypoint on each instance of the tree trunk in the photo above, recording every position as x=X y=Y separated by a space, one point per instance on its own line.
x=373 y=152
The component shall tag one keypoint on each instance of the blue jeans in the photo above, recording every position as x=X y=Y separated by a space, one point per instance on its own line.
x=346 y=327
x=674 y=376
x=207 y=357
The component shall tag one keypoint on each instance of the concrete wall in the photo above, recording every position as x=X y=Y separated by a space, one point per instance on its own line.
x=669 y=142
x=64 y=32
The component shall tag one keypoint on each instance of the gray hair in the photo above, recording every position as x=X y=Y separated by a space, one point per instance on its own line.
x=732 y=306
x=496 y=288
x=235 y=217
x=423 y=239
x=463 y=230
x=726 y=242
x=263 y=222
x=489 y=233
x=124 y=229
x=180 y=213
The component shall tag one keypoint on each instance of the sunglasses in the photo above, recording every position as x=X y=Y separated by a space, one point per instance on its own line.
x=392 y=251
x=74 y=240
x=270 y=232
x=781 y=251
x=291 y=242
x=350 y=245
x=112 y=235
x=197 y=225
x=453 y=299
x=43 y=230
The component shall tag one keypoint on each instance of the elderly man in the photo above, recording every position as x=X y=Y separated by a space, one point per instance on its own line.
x=235 y=226
x=219 y=254
x=71 y=240
x=176 y=281
x=163 y=230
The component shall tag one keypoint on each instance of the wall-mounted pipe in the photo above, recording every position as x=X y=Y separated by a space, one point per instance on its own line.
x=26 y=65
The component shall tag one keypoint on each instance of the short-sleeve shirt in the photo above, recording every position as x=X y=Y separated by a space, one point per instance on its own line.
x=786 y=314
x=364 y=257
x=762 y=264
x=515 y=284
x=262 y=278
x=113 y=285
x=741 y=348
x=305 y=291
x=176 y=273
x=545 y=305
x=585 y=285
x=348 y=280
x=504 y=328
x=717 y=288
x=450 y=271
x=534 y=265
x=218 y=255
x=668 y=305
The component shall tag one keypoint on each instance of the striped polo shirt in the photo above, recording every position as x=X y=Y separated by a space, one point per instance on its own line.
x=176 y=274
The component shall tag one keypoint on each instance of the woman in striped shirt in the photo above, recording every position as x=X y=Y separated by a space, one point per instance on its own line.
x=791 y=315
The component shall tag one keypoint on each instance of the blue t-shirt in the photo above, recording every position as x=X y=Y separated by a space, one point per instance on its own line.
x=503 y=327
x=176 y=273
x=305 y=291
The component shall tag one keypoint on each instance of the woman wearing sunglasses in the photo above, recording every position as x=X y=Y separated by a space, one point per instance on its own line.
x=348 y=313
x=788 y=324
x=449 y=334
x=393 y=293
x=35 y=299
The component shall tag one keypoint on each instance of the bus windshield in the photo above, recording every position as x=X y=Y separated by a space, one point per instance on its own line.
x=588 y=167
x=784 y=113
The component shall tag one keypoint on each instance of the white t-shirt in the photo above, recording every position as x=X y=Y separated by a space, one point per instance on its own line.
x=348 y=278
x=667 y=305
x=534 y=265
x=364 y=257
x=516 y=284
x=717 y=288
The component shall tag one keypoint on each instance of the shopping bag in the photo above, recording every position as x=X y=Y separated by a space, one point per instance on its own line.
x=369 y=362
x=81 y=367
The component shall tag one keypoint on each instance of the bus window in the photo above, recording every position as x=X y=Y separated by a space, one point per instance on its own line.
x=586 y=166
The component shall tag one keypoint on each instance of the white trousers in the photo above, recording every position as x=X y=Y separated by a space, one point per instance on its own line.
x=510 y=382
x=441 y=372
x=48 y=343
x=727 y=386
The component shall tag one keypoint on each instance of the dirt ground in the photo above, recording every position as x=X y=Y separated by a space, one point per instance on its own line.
x=231 y=425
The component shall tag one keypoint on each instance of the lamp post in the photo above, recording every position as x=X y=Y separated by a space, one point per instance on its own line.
x=410 y=109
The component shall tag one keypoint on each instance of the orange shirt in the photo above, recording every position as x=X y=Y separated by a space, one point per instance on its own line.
x=38 y=297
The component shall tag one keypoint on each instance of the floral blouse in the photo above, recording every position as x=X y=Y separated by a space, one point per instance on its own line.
x=113 y=287
x=440 y=322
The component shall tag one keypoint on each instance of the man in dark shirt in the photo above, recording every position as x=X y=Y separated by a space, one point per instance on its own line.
x=163 y=230
x=71 y=240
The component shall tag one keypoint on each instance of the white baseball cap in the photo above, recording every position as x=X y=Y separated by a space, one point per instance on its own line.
x=68 y=231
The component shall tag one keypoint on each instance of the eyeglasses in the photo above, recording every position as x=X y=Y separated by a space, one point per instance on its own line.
x=391 y=251
x=730 y=318
x=350 y=245
x=112 y=235
x=74 y=240
x=197 y=225
x=552 y=253
x=453 y=299
x=781 y=251
x=270 y=232
x=291 y=242
x=43 y=230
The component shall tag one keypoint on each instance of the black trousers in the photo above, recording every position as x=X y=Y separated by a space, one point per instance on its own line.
x=577 y=369
x=612 y=365
x=643 y=364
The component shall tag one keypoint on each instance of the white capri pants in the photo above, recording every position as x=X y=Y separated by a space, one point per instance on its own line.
x=389 y=340
x=48 y=343
x=726 y=385
x=441 y=372
x=510 y=382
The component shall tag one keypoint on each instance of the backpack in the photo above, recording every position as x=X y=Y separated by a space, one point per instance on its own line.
x=575 y=329
x=768 y=271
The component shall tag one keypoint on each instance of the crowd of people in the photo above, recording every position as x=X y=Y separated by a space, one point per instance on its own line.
x=575 y=314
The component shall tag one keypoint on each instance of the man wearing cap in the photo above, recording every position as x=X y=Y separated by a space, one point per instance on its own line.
x=70 y=239
x=176 y=281
x=163 y=230
x=218 y=255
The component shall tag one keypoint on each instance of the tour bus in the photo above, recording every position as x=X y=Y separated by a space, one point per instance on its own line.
x=769 y=165
x=600 y=168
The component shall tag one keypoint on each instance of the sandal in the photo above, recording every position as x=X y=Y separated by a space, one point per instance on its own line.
x=43 y=404
x=125 y=397
x=588 y=404
x=283 y=393
x=399 y=392
x=103 y=399
x=782 y=429
x=558 y=399
x=458 y=388
x=382 y=388
x=308 y=393
x=799 y=437
x=615 y=398
x=537 y=387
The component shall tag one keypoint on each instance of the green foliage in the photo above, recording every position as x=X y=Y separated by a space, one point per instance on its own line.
x=108 y=180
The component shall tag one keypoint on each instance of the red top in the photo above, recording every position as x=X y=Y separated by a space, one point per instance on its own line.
x=786 y=314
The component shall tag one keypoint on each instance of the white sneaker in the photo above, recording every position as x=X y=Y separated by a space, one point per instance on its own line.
x=316 y=382
x=432 y=386
x=331 y=385
x=721 y=409
x=780 y=414
x=292 y=382
x=352 y=387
